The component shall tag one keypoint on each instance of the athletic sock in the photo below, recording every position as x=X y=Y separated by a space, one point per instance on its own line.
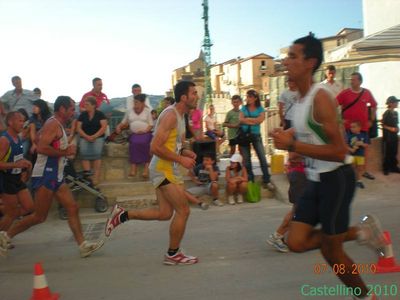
x=277 y=235
x=172 y=252
x=124 y=217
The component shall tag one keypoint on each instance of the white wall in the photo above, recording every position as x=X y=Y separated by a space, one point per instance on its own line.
x=382 y=79
x=380 y=14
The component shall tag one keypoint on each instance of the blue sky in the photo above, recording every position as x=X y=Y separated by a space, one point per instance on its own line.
x=60 y=45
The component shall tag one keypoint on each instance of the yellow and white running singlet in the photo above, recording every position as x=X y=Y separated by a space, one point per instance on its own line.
x=161 y=169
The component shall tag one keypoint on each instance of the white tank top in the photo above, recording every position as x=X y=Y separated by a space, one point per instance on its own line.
x=310 y=131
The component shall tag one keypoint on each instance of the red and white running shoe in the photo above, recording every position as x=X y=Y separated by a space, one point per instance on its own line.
x=180 y=259
x=113 y=220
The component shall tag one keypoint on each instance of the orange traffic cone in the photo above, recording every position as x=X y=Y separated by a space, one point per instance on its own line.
x=387 y=263
x=40 y=289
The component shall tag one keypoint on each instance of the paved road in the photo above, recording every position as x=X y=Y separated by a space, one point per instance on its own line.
x=235 y=262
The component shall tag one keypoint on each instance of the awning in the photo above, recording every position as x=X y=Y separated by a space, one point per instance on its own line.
x=380 y=46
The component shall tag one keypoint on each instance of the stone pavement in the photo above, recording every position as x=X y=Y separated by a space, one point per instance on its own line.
x=235 y=262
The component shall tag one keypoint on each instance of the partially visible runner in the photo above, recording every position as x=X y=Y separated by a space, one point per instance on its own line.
x=297 y=183
x=331 y=181
x=168 y=154
x=16 y=197
x=48 y=179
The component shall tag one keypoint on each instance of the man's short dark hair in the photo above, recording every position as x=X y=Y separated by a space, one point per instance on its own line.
x=140 y=97
x=95 y=79
x=331 y=68
x=312 y=48
x=62 y=101
x=15 y=78
x=358 y=74
x=11 y=116
x=135 y=86
x=182 y=88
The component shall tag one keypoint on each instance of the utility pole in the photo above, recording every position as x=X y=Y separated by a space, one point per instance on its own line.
x=207 y=58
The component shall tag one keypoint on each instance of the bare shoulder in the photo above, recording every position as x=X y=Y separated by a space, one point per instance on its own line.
x=168 y=120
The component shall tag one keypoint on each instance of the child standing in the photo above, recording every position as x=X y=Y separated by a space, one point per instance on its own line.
x=205 y=175
x=236 y=180
x=390 y=125
x=232 y=122
x=358 y=141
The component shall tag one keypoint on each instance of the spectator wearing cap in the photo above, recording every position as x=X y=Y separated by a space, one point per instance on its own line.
x=330 y=81
x=236 y=180
x=390 y=126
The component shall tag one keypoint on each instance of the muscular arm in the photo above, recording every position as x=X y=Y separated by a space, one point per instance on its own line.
x=50 y=132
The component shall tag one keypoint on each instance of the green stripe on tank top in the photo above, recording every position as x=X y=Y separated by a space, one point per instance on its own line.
x=316 y=128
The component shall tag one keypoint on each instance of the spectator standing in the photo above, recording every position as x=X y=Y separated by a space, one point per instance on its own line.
x=18 y=97
x=140 y=123
x=251 y=116
x=25 y=133
x=330 y=81
x=91 y=126
x=232 y=122
x=97 y=93
x=357 y=142
x=136 y=90
x=37 y=92
x=358 y=104
x=286 y=102
x=196 y=121
x=390 y=126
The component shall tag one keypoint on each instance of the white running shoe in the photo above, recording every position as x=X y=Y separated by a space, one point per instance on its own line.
x=180 y=259
x=231 y=200
x=277 y=243
x=372 y=233
x=87 y=248
x=204 y=205
x=240 y=199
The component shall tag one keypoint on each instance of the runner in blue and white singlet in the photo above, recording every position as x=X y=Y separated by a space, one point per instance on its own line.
x=49 y=171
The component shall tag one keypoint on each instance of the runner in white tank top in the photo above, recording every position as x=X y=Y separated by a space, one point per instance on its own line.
x=318 y=136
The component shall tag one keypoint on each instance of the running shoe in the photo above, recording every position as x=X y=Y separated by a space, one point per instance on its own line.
x=240 y=199
x=277 y=243
x=372 y=233
x=87 y=248
x=204 y=205
x=180 y=259
x=114 y=219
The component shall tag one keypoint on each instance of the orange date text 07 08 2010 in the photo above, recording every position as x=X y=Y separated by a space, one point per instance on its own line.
x=340 y=269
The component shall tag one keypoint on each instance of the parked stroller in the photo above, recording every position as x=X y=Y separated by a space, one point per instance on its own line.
x=78 y=181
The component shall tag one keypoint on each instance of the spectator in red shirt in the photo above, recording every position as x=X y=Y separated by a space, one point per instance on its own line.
x=359 y=110
x=95 y=92
x=353 y=111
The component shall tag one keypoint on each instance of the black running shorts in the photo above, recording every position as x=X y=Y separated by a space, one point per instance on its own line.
x=328 y=201
x=12 y=184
